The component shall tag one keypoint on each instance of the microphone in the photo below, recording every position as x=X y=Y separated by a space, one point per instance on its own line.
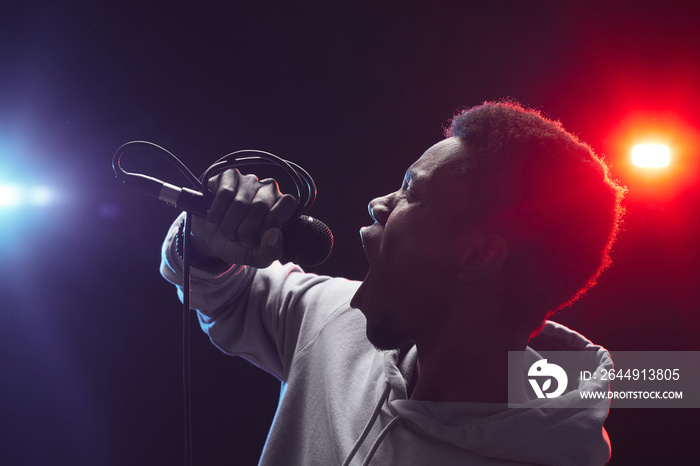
x=306 y=241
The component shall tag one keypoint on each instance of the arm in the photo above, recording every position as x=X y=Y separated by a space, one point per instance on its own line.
x=264 y=315
x=253 y=312
x=242 y=227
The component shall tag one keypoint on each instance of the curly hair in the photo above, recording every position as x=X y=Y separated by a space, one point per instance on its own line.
x=548 y=193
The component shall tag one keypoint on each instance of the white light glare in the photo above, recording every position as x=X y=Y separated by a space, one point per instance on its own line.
x=651 y=155
x=41 y=195
x=9 y=196
x=15 y=196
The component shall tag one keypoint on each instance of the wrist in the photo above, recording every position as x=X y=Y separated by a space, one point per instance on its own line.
x=200 y=257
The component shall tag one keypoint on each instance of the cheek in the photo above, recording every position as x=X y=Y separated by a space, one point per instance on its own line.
x=419 y=255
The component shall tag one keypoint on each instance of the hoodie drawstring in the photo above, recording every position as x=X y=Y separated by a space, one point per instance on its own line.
x=379 y=439
x=368 y=427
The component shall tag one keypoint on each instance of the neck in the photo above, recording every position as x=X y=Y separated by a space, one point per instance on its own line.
x=466 y=365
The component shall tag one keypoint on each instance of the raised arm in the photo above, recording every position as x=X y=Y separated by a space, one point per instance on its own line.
x=249 y=304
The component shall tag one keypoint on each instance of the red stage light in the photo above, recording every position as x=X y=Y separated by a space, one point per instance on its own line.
x=651 y=136
x=651 y=155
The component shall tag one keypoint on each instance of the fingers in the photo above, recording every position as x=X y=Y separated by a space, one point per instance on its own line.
x=226 y=192
x=249 y=227
x=281 y=212
x=244 y=220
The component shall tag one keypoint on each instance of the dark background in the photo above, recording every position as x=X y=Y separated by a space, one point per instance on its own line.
x=354 y=92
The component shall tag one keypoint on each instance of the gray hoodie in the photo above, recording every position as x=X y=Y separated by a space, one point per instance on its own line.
x=344 y=402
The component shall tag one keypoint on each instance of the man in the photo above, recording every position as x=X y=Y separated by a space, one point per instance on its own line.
x=505 y=221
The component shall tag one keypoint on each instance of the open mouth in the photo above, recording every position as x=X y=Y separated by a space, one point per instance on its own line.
x=369 y=236
x=371 y=239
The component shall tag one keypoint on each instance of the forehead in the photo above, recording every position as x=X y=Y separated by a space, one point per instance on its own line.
x=439 y=176
x=440 y=160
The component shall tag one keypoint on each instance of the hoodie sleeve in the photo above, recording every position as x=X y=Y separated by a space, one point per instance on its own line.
x=264 y=315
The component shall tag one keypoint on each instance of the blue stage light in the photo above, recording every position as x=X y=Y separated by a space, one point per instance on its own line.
x=10 y=196
x=41 y=196
x=13 y=196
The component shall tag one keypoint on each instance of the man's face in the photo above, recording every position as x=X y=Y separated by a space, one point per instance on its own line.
x=412 y=249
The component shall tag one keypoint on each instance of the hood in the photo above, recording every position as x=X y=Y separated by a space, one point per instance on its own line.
x=543 y=431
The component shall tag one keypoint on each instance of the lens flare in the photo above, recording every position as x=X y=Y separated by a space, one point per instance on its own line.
x=651 y=155
x=18 y=196
x=41 y=196
x=9 y=196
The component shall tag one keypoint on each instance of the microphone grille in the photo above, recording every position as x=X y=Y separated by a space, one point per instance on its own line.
x=307 y=241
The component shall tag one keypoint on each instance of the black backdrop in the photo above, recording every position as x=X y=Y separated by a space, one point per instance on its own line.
x=90 y=333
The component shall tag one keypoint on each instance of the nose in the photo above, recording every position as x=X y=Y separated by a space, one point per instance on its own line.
x=380 y=208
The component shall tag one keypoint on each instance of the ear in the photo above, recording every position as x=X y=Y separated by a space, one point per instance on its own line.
x=486 y=256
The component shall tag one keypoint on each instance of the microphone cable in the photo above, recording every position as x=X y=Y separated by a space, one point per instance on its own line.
x=306 y=195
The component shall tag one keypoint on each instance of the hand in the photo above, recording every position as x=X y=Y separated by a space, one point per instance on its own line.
x=244 y=221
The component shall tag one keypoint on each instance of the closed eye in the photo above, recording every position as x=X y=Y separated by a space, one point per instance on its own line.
x=409 y=184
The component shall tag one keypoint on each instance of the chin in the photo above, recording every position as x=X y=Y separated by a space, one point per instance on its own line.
x=381 y=330
x=384 y=337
